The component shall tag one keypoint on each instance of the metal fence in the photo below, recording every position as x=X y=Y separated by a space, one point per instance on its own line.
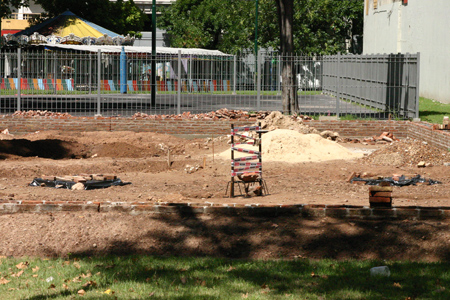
x=88 y=83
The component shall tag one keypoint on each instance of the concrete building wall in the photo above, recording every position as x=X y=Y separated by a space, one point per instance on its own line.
x=390 y=26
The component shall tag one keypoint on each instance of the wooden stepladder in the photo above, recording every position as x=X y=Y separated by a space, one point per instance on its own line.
x=248 y=169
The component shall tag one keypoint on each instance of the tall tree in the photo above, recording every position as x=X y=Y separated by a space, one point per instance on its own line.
x=123 y=17
x=288 y=83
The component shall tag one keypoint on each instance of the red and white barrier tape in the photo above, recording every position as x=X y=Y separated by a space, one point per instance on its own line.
x=245 y=158
x=245 y=150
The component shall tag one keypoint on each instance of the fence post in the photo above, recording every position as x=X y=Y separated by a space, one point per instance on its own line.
x=55 y=90
x=279 y=75
x=179 y=84
x=417 y=84
x=99 y=78
x=19 y=78
x=234 y=74
x=258 y=82
x=338 y=85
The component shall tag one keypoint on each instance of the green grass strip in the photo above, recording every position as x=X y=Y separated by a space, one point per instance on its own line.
x=146 y=277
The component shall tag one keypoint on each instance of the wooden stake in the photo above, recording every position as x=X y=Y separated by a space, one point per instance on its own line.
x=168 y=158
x=212 y=138
x=204 y=162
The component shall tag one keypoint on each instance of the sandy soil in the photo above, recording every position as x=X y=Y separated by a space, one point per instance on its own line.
x=142 y=159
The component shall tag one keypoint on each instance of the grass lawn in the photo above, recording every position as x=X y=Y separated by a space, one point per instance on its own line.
x=144 y=277
x=433 y=111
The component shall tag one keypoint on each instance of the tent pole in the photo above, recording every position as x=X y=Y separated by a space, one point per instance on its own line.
x=153 y=53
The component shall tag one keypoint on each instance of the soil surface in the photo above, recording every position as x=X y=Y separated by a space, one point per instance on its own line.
x=163 y=168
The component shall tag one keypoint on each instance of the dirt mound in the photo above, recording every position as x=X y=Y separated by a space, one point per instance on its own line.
x=291 y=146
x=286 y=145
x=408 y=152
x=276 y=120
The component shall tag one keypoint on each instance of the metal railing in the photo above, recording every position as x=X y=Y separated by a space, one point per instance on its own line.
x=88 y=83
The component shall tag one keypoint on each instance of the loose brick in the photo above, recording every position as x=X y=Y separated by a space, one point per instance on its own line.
x=380 y=199
x=376 y=188
x=380 y=194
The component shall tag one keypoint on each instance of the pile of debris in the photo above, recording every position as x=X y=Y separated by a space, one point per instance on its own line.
x=276 y=120
x=384 y=138
x=40 y=113
x=222 y=113
x=396 y=180
x=444 y=126
x=409 y=152
x=79 y=182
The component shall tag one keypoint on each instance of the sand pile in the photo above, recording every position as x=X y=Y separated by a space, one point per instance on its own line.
x=286 y=145
x=276 y=120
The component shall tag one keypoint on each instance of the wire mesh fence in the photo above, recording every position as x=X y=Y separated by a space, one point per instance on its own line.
x=94 y=82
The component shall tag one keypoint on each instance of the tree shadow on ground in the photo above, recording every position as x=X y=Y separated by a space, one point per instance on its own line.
x=236 y=239
x=51 y=148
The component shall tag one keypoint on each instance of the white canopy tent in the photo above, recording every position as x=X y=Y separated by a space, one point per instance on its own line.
x=136 y=49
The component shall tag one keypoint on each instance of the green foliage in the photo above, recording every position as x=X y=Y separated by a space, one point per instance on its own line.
x=8 y=6
x=209 y=24
x=320 y=26
x=122 y=17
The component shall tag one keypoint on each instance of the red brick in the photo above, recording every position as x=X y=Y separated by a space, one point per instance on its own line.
x=380 y=199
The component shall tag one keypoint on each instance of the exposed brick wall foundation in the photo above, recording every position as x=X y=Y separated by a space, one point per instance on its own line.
x=300 y=210
x=351 y=129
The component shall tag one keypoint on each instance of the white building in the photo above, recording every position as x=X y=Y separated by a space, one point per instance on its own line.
x=411 y=26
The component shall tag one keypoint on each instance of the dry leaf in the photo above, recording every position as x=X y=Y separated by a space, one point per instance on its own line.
x=108 y=292
x=86 y=275
x=4 y=281
x=76 y=279
x=396 y=284
x=130 y=290
x=76 y=265
x=97 y=274
x=17 y=274
x=11 y=289
x=81 y=292
x=52 y=286
x=35 y=275
x=90 y=283
x=245 y=296
x=22 y=265
x=183 y=280
x=231 y=268
x=35 y=269
x=65 y=286
x=151 y=294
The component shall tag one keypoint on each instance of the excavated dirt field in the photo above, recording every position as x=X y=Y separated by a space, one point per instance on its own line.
x=197 y=174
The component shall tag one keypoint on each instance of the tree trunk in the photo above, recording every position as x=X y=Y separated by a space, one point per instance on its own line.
x=288 y=84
